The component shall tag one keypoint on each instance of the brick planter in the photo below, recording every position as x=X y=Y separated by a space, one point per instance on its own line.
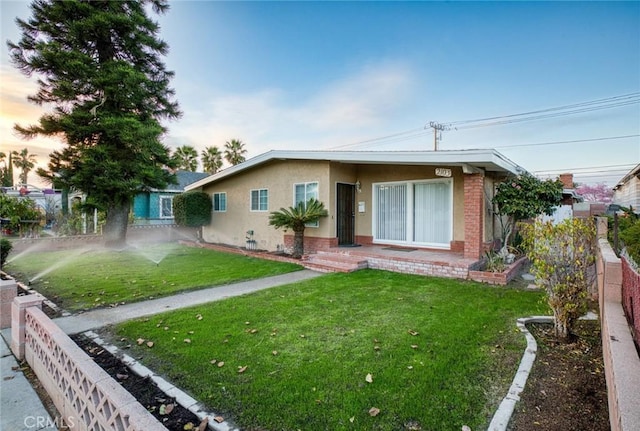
x=499 y=278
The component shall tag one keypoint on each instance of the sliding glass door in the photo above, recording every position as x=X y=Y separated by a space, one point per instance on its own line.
x=414 y=212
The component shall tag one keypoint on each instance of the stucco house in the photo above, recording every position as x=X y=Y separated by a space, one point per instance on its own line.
x=432 y=200
x=155 y=207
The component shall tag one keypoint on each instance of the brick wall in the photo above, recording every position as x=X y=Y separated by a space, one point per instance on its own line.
x=311 y=243
x=473 y=215
x=621 y=361
x=631 y=298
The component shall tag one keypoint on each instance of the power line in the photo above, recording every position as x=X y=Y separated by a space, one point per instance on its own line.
x=568 y=142
x=626 y=166
x=559 y=111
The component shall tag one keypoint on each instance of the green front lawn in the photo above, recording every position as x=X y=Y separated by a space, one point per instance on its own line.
x=429 y=353
x=87 y=278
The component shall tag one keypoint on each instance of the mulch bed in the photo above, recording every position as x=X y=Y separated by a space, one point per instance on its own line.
x=566 y=389
x=143 y=389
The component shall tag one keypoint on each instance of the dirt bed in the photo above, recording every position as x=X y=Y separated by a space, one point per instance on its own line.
x=566 y=389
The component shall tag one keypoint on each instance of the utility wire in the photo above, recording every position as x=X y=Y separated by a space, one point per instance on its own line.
x=606 y=103
x=568 y=142
x=554 y=112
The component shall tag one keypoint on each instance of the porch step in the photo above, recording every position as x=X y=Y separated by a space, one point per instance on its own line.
x=335 y=262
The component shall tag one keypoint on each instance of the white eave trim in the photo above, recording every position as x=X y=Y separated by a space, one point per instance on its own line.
x=477 y=159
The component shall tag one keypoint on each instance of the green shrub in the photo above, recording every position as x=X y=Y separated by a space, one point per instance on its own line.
x=192 y=209
x=5 y=249
x=630 y=236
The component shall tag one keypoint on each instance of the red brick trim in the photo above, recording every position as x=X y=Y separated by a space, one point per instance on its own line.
x=473 y=215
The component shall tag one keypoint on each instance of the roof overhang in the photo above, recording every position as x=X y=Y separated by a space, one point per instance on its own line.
x=471 y=161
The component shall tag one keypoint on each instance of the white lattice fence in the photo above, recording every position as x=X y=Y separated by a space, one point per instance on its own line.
x=84 y=394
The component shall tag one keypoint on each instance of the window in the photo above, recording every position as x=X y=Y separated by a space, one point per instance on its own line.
x=166 y=207
x=259 y=200
x=302 y=193
x=220 y=202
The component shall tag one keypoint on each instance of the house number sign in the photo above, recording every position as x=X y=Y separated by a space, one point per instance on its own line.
x=443 y=172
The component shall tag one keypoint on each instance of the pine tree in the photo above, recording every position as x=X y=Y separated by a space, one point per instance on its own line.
x=99 y=66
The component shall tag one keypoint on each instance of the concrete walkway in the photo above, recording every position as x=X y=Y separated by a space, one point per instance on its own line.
x=20 y=406
x=109 y=316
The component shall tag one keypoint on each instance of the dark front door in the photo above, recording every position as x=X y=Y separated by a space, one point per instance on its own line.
x=346 y=218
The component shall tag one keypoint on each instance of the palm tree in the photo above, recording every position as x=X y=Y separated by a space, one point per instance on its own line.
x=24 y=161
x=296 y=219
x=234 y=151
x=6 y=171
x=186 y=158
x=211 y=159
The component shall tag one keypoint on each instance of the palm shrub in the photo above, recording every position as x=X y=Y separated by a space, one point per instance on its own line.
x=296 y=218
x=562 y=257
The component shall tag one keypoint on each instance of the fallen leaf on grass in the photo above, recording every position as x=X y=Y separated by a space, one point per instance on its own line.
x=220 y=364
x=412 y=332
x=242 y=369
x=374 y=411
x=274 y=353
x=187 y=340
x=352 y=418
x=369 y=378
x=140 y=341
x=414 y=346
x=150 y=344
x=199 y=316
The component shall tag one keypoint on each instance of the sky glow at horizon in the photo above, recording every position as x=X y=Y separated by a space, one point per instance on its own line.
x=340 y=75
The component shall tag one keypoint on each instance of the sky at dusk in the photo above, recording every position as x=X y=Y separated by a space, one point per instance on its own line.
x=374 y=75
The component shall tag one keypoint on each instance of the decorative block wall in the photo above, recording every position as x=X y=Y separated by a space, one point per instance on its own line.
x=84 y=394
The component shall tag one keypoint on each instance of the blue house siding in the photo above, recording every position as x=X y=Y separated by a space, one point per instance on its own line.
x=147 y=207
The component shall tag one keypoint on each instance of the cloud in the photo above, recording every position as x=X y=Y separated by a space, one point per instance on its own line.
x=342 y=111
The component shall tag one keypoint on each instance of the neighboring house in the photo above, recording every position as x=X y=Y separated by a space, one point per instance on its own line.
x=421 y=199
x=627 y=192
x=571 y=204
x=48 y=201
x=155 y=207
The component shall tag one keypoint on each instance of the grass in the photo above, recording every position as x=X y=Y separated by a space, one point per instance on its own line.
x=83 y=278
x=441 y=353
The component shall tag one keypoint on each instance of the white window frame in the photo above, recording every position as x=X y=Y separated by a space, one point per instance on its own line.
x=317 y=196
x=160 y=201
x=410 y=212
x=213 y=202
x=259 y=191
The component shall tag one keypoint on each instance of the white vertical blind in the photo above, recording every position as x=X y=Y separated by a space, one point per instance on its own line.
x=432 y=213
x=391 y=207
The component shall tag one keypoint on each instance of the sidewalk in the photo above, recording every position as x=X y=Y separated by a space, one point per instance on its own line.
x=20 y=407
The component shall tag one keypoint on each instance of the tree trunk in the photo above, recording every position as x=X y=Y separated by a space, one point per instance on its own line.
x=115 y=228
x=561 y=328
x=298 y=243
